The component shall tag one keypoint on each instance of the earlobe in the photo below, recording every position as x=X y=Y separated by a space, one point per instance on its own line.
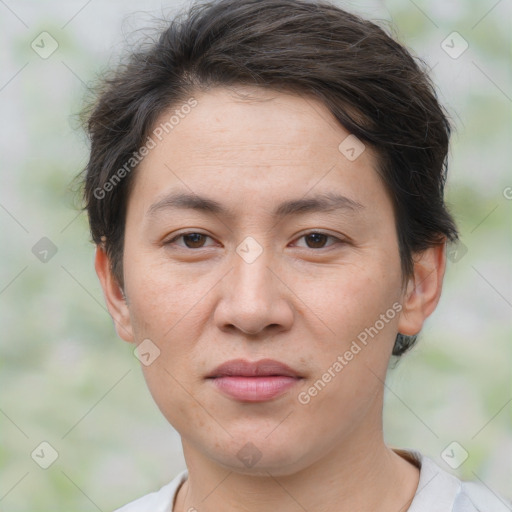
x=114 y=295
x=423 y=289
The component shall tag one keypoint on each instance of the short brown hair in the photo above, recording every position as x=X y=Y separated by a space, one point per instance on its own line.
x=370 y=83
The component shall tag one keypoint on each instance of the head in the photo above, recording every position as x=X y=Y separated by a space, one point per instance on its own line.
x=266 y=181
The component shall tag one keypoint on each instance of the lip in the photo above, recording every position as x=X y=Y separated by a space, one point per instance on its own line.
x=261 y=368
x=256 y=381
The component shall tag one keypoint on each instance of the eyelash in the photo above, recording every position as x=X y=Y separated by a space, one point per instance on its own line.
x=181 y=235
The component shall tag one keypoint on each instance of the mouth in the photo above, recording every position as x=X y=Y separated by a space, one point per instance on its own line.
x=257 y=381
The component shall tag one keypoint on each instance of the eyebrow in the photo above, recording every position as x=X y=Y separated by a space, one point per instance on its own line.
x=325 y=202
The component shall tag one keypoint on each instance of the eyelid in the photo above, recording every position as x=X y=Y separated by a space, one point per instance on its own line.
x=339 y=239
x=180 y=235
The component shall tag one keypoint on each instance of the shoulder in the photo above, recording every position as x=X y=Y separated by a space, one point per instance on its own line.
x=158 y=501
x=440 y=491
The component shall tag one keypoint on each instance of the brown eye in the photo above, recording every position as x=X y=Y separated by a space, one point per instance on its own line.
x=191 y=240
x=316 y=240
x=194 y=240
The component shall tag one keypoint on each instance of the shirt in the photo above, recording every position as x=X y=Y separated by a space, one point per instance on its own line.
x=438 y=491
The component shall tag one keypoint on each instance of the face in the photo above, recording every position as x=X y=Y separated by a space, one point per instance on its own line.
x=285 y=250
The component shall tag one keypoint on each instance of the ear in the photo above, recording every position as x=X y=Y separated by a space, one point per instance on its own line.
x=114 y=296
x=423 y=289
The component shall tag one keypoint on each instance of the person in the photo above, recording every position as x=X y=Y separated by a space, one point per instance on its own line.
x=265 y=192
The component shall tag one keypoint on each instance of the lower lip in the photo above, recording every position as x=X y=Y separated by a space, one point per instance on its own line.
x=254 y=389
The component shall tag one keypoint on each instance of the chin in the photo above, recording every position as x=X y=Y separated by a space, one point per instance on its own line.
x=252 y=453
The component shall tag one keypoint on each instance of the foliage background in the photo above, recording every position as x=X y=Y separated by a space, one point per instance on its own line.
x=64 y=376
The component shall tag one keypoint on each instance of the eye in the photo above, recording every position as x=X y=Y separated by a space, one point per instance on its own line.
x=195 y=240
x=317 y=240
x=192 y=240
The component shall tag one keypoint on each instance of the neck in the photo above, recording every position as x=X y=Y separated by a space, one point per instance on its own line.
x=357 y=475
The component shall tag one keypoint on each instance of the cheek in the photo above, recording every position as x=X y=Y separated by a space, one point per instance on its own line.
x=347 y=299
x=161 y=296
x=165 y=307
x=361 y=306
x=174 y=394
x=169 y=307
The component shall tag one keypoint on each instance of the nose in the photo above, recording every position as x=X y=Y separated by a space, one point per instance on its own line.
x=255 y=299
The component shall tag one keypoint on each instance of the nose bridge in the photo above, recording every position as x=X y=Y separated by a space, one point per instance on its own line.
x=251 y=298
x=252 y=280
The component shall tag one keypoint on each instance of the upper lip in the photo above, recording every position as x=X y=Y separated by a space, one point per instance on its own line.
x=243 y=368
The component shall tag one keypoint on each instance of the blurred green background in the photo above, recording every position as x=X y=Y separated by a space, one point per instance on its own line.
x=66 y=379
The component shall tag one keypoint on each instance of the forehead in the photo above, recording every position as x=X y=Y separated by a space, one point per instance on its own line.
x=261 y=122
x=255 y=141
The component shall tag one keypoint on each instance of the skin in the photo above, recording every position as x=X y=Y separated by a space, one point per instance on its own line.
x=302 y=302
